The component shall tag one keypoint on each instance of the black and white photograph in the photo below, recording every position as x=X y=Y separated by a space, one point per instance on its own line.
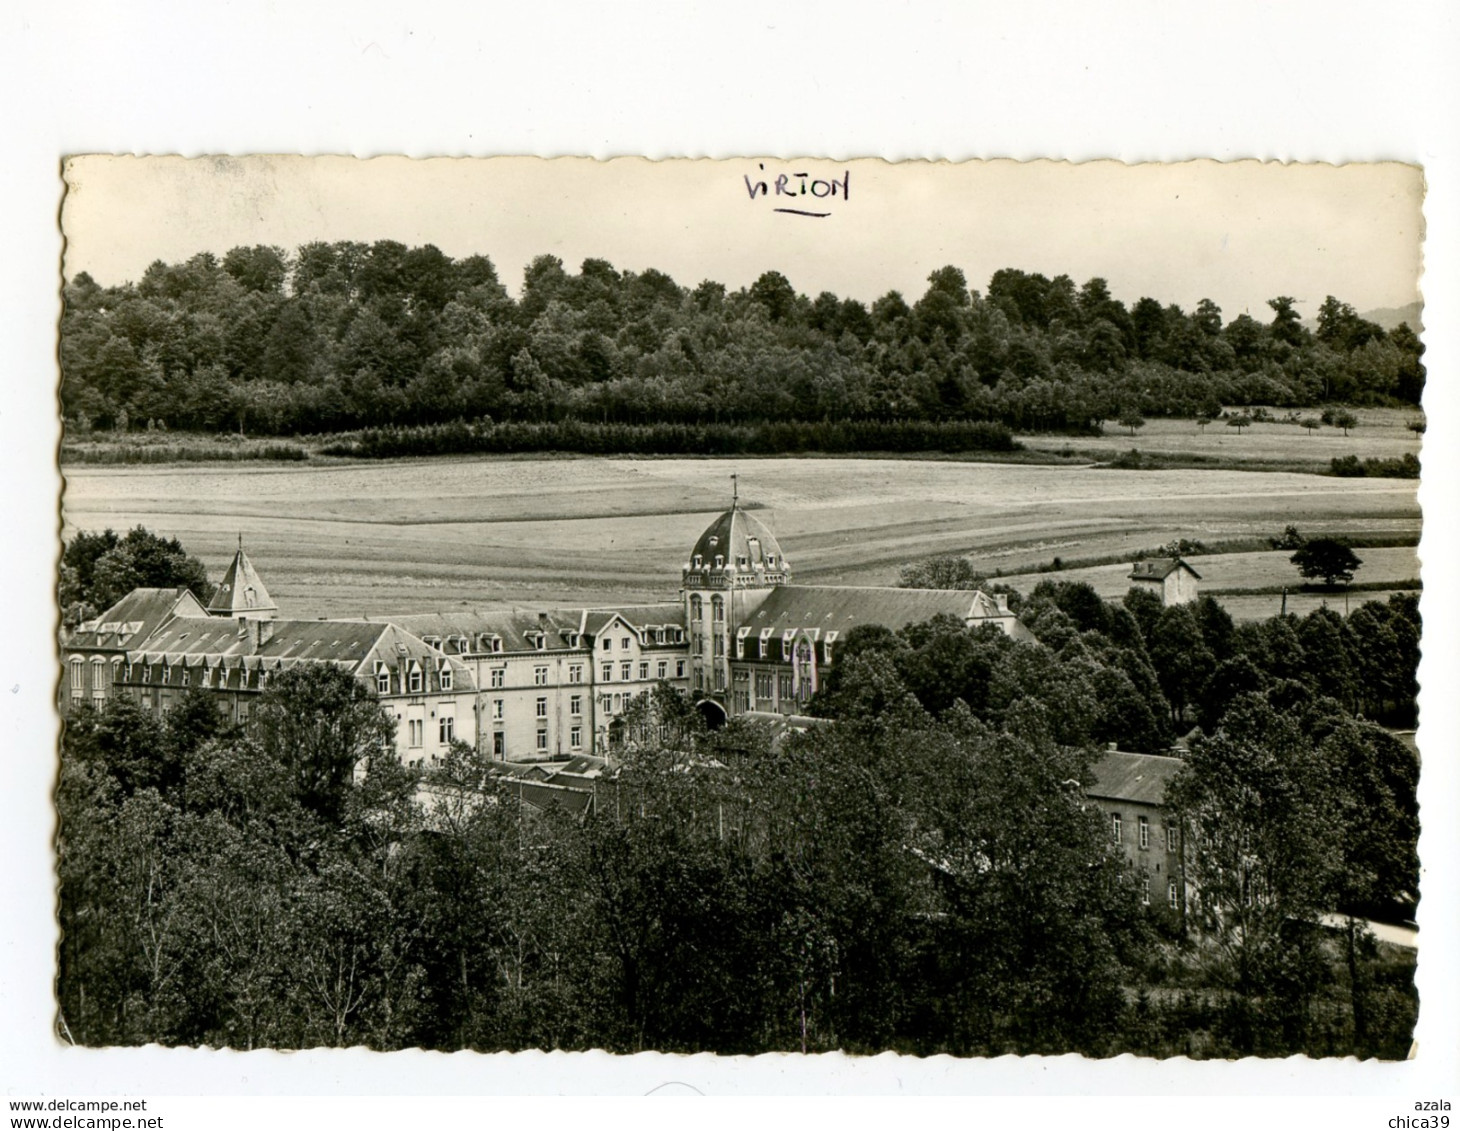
x=840 y=563
x=740 y=606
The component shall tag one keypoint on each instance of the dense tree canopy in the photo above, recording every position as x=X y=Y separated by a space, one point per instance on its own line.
x=347 y=335
x=98 y=570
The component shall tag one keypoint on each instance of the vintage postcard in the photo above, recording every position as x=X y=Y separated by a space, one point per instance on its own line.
x=741 y=606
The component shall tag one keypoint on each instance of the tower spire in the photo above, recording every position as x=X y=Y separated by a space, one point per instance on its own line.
x=735 y=490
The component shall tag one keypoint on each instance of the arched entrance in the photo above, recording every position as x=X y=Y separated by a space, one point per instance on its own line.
x=713 y=713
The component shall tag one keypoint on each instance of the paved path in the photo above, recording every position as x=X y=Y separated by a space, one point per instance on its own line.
x=1386 y=932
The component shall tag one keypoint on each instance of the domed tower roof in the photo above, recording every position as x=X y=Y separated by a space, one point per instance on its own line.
x=737 y=549
x=241 y=593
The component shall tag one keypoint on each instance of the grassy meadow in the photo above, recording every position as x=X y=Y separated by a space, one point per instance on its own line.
x=1381 y=433
x=420 y=535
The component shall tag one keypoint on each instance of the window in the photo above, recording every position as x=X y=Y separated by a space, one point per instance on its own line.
x=415 y=678
x=575 y=738
x=626 y=670
x=207 y=677
x=539 y=676
x=719 y=645
x=624 y=643
x=1143 y=832
x=447 y=729
x=608 y=644
x=696 y=606
x=1173 y=839
x=762 y=685
x=540 y=641
x=718 y=605
x=719 y=679
x=416 y=727
x=1146 y=890
x=497 y=709
x=498 y=676
x=643 y=669
x=542 y=740
x=1115 y=827
x=445 y=677
x=78 y=675
x=166 y=673
x=786 y=647
x=496 y=644
x=663 y=668
x=763 y=642
x=499 y=744
x=542 y=706
x=575 y=673
x=607 y=673
x=1173 y=896
x=575 y=705
x=382 y=680
x=187 y=676
x=146 y=673
x=678 y=669
x=783 y=686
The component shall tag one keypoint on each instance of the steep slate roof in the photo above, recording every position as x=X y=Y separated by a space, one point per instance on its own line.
x=513 y=626
x=595 y=620
x=350 y=644
x=134 y=618
x=830 y=607
x=1159 y=569
x=731 y=536
x=241 y=590
x=1143 y=778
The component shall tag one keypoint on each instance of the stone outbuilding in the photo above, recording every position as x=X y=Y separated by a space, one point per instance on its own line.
x=1171 y=579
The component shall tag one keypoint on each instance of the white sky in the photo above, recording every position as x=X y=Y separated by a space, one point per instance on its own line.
x=1239 y=233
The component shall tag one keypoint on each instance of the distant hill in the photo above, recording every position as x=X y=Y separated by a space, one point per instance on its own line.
x=1391 y=316
x=1388 y=317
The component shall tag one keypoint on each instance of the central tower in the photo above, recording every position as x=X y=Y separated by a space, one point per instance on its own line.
x=730 y=571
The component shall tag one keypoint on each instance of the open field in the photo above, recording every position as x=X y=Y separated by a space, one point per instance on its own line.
x=1382 y=432
x=422 y=535
x=1228 y=575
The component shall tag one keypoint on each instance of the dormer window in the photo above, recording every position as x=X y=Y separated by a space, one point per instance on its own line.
x=496 y=644
x=541 y=642
x=786 y=643
x=742 y=561
x=770 y=561
x=699 y=561
x=415 y=678
x=382 y=679
x=445 y=677
x=719 y=561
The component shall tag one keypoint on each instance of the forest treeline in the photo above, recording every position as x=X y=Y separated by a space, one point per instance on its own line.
x=347 y=336
x=922 y=873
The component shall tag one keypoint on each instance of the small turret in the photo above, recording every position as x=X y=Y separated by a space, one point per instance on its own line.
x=241 y=593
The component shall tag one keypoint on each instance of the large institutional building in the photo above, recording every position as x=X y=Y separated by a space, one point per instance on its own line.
x=522 y=686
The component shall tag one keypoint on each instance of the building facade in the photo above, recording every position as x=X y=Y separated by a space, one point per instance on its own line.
x=1171 y=579
x=521 y=686
x=1130 y=790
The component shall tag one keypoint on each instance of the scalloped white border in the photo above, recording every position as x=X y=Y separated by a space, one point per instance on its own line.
x=1330 y=81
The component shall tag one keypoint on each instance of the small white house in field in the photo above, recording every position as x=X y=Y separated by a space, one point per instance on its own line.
x=1171 y=579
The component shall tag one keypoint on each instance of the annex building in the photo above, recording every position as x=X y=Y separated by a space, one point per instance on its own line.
x=524 y=686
